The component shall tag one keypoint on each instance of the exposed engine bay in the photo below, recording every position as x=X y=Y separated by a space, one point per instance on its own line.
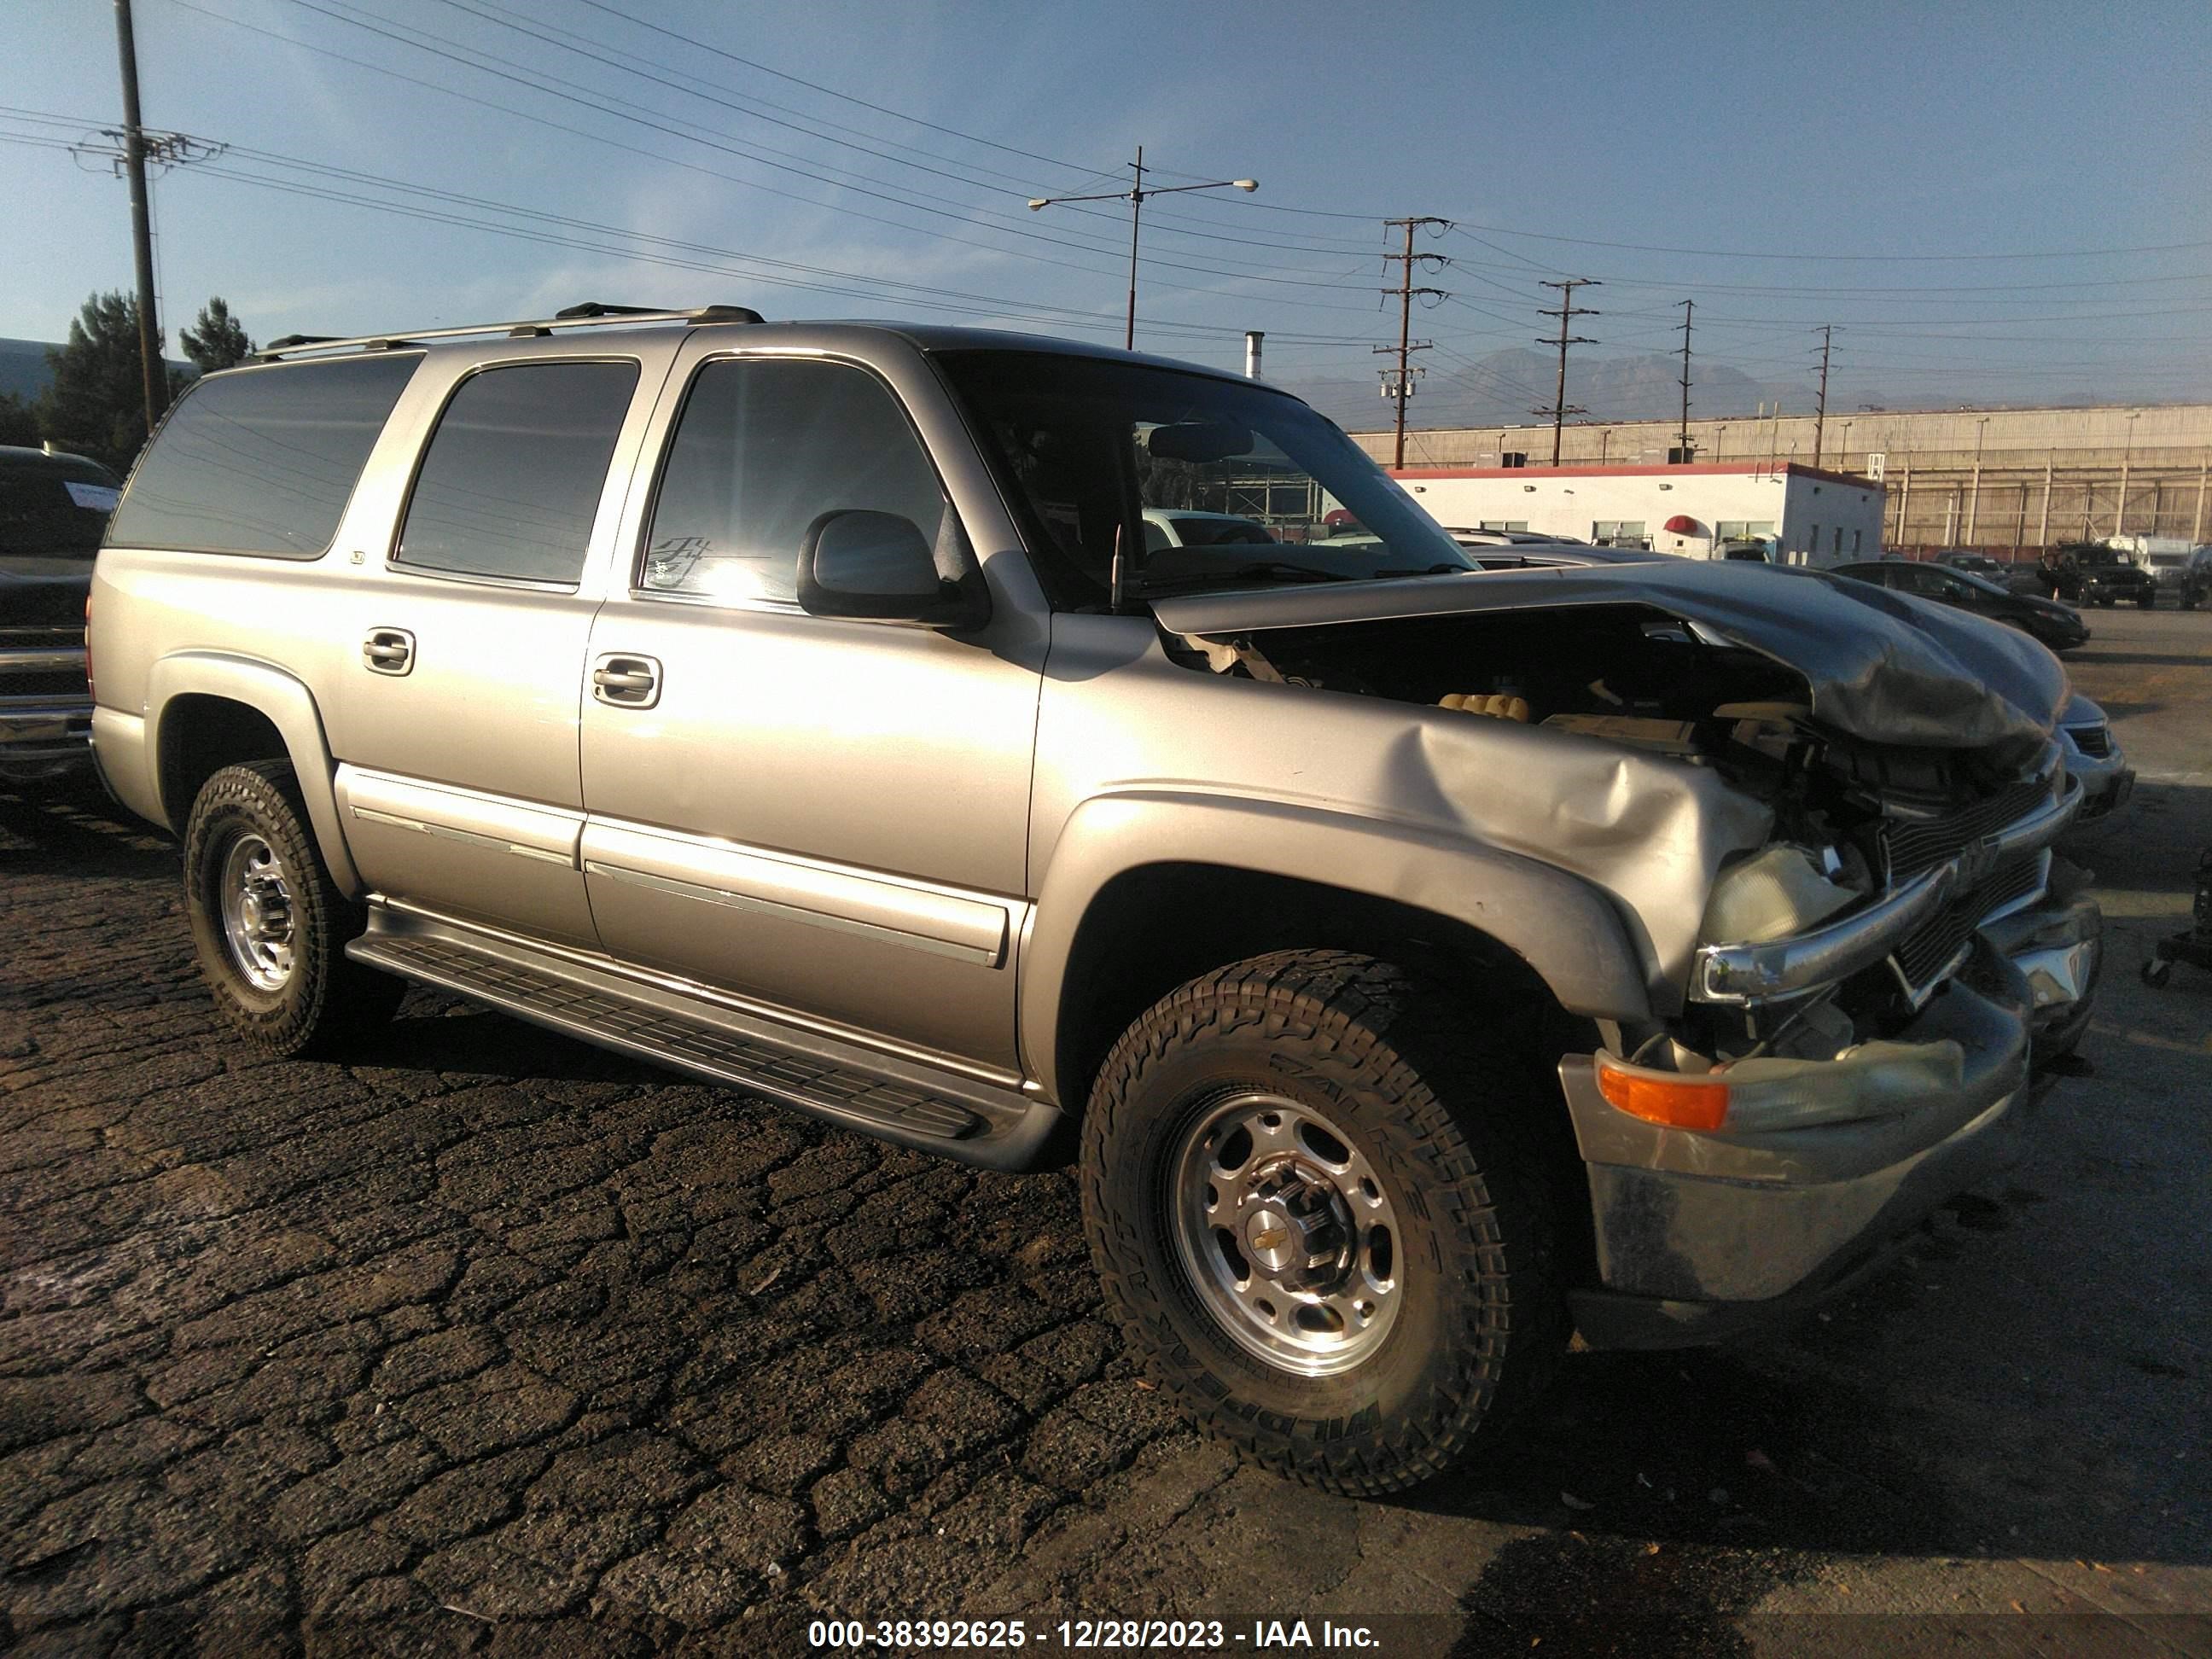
x=1854 y=818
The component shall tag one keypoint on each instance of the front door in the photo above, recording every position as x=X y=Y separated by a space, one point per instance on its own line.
x=825 y=819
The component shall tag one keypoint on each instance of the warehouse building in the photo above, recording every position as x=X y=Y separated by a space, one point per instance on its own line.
x=2004 y=480
x=1806 y=515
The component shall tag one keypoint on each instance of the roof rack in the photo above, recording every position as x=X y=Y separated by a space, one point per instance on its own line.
x=590 y=314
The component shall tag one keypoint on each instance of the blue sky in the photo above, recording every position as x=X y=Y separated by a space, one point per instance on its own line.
x=1783 y=165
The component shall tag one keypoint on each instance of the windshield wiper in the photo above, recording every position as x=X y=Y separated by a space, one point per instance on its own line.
x=1267 y=569
x=1426 y=570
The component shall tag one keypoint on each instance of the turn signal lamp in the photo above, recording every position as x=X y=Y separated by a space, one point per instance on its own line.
x=1680 y=1103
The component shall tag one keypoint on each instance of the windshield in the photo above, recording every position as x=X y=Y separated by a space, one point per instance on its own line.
x=1094 y=452
x=54 y=512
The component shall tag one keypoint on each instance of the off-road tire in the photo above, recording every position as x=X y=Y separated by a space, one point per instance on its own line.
x=1440 y=1110
x=327 y=1000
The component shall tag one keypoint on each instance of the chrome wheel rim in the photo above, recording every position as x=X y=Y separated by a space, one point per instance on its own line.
x=257 y=915
x=1287 y=1232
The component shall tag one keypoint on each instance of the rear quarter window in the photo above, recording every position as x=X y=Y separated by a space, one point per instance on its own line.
x=261 y=461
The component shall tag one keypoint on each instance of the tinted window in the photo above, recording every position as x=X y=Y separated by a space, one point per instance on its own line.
x=261 y=461
x=512 y=480
x=763 y=448
x=54 y=508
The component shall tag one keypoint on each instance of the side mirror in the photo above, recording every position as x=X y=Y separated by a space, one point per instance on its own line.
x=879 y=567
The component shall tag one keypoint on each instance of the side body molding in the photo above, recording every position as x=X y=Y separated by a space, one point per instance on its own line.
x=290 y=706
x=1566 y=930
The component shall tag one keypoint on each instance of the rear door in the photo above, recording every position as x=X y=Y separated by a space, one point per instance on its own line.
x=455 y=708
x=823 y=818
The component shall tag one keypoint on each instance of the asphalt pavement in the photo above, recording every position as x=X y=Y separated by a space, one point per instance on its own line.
x=487 y=1342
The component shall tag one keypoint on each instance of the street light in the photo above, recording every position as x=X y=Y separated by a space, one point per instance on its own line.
x=2120 y=512
x=1974 y=500
x=1135 y=198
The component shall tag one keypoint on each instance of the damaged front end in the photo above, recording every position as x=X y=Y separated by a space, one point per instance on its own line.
x=1846 y=1021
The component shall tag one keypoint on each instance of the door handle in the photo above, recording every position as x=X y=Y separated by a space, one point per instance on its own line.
x=388 y=651
x=625 y=681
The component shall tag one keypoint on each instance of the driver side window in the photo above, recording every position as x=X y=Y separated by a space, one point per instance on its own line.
x=764 y=447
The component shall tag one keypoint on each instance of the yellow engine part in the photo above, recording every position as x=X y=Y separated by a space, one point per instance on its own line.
x=1496 y=706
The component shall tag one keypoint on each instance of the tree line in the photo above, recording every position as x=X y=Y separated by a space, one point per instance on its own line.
x=95 y=405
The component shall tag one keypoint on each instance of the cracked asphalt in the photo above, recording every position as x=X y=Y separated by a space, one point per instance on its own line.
x=487 y=1342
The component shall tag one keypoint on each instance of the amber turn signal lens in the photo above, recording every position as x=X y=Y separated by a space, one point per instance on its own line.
x=1679 y=1103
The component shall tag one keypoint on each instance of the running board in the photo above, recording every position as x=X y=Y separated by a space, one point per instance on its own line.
x=905 y=1101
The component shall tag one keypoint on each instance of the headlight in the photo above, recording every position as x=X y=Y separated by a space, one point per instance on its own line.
x=1781 y=891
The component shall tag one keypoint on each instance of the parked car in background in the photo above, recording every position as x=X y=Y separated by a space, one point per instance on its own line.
x=2094 y=757
x=1512 y=538
x=2014 y=577
x=1167 y=528
x=53 y=507
x=2197 y=578
x=1550 y=556
x=2108 y=576
x=2058 y=626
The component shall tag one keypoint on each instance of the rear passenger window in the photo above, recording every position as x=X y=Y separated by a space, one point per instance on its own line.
x=512 y=480
x=764 y=447
x=261 y=461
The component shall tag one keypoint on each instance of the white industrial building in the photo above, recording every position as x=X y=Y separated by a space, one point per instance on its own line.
x=1806 y=514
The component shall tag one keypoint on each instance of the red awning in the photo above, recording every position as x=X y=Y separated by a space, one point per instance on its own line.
x=1681 y=524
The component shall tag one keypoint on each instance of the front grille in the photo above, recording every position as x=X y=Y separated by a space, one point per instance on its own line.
x=1927 y=950
x=56 y=638
x=49 y=683
x=1911 y=845
x=2093 y=740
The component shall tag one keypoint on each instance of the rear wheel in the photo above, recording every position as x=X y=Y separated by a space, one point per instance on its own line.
x=1305 y=1190
x=2148 y=601
x=270 y=927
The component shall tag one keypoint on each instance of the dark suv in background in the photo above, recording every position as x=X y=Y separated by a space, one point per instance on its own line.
x=53 y=508
x=2109 y=576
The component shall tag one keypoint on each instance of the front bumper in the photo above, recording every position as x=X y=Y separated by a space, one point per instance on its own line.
x=44 y=740
x=1700 y=1236
x=2059 y=950
x=2107 y=782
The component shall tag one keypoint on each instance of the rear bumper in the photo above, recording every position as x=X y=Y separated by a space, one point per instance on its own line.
x=1701 y=1236
x=44 y=740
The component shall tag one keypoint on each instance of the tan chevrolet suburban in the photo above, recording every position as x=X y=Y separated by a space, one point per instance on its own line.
x=1430 y=964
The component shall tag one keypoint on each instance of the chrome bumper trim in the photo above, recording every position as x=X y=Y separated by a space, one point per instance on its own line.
x=1740 y=975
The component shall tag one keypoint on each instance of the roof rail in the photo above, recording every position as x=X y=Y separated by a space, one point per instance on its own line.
x=590 y=314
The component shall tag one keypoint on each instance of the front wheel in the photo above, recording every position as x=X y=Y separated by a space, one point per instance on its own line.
x=270 y=927
x=2148 y=601
x=1308 y=1188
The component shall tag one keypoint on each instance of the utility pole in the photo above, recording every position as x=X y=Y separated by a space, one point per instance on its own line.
x=153 y=375
x=1560 y=408
x=1689 y=306
x=1135 y=197
x=1400 y=385
x=1821 y=409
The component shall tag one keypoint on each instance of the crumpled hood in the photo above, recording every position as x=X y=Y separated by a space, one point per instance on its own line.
x=1882 y=667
